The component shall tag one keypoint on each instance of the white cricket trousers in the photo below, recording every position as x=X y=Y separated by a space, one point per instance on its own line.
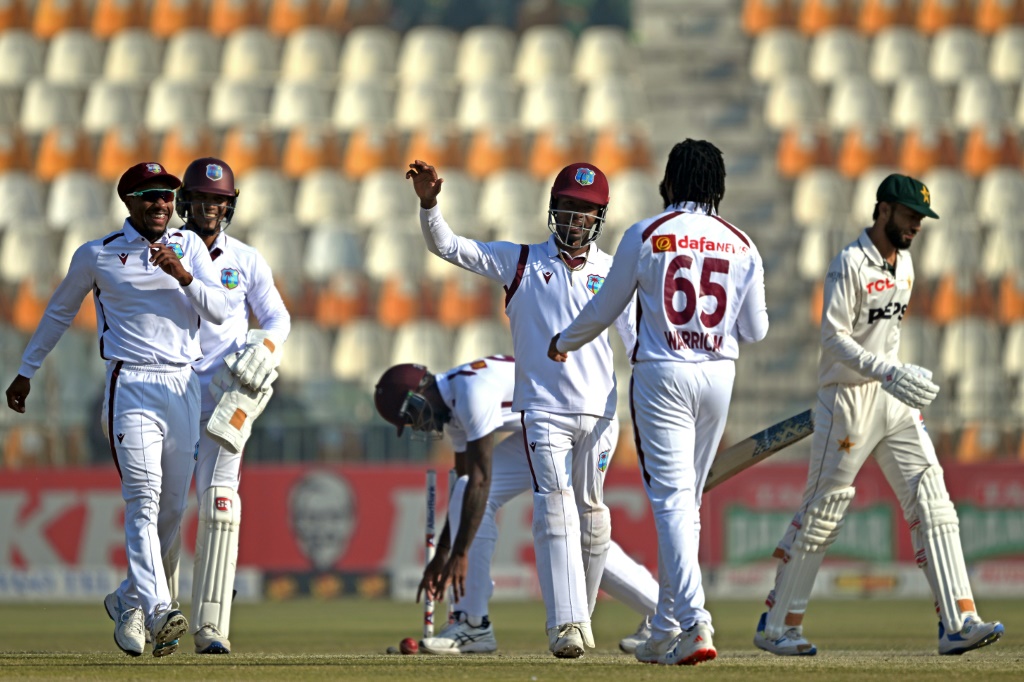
x=851 y=422
x=624 y=579
x=215 y=466
x=679 y=411
x=567 y=457
x=151 y=416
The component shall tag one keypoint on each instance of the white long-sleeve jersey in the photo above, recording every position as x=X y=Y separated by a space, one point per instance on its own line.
x=863 y=305
x=244 y=272
x=479 y=396
x=699 y=286
x=143 y=315
x=542 y=296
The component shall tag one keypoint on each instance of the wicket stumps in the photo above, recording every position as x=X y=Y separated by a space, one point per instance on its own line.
x=430 y=547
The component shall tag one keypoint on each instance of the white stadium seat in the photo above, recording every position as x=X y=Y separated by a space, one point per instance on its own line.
x=369 y=53
x=792 y=101
x=299 y=103
x=388 y=256
x=46 y=105
x=979 y=102
x=778 y=52
x=837 y=54
x=21 y=200
x=324 y=195
x=133 y=56
x=612 y=102
x=192 y=55
x=916 y=103
x=544 y=52
x=1000 y=196
x=865 y=194
x=856 y=102
x=27 y=253
x=821 y=198
x=110 y=104
x=1006 y=55
x=956 y=52
x=74 y=57
x=361 y=103
x=383 y=195
x=485 y=53
x=238 y=102
x=310 y=54
x=485 y=104
x=307 y=353
x=282 y=250
x=425 y=343
x=945 y=250
x=919 y=342
x=76 y=195
x=480 y=338
x=547 y=103
x=427 y=53
x=602 y=51
x=21 y=53
x=632 y=196
x=334 y=246
x=174 y=103
x=250 y=54
x=969 y=343
x=951 y=195
x=508 y=196
x=362 y=352
x=896 y=52
x=424 y=104
x=269 y=196
x=1003 y=251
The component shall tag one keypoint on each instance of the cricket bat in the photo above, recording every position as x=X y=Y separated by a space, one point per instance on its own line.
x=761 y=445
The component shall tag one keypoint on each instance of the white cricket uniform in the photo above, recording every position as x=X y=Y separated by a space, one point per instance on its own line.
x=683 y=371
x=864 y=303
x=244 y=272
x=148 y=329
x=566 y=410
x=479 y=397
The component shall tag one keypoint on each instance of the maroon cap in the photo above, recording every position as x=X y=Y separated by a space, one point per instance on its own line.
x=142 y=173
x=583 y=181
x=392 y=390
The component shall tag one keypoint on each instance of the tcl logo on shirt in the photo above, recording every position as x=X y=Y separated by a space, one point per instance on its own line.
x=881 y=285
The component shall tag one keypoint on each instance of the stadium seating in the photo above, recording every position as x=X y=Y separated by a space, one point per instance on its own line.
x=778 y=52
x=837 y=53
x=193 y=55
x=133 y=56
x=368 y=53
x=75 y=195
x=21 y=53
x=897 y=52
x=21 y=200
x=109 y=104
x=172 y=104
x=310 y=54
x=485 y=53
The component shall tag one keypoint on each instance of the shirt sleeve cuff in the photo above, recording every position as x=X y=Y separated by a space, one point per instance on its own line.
x=432 y=212
x=26 y=371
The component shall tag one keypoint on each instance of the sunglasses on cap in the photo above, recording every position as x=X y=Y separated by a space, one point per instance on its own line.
x=154 y=194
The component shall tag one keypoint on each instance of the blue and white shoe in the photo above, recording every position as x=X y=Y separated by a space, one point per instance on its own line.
x=168 y=627
x=792 y=642
x=115 y=609
x=209 y=640
x=974 y=635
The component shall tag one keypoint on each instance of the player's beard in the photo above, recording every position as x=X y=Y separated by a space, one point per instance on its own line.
x=896 y=236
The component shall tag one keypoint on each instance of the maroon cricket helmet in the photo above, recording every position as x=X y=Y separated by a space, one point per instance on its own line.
x=392 y=392
x=211 y=176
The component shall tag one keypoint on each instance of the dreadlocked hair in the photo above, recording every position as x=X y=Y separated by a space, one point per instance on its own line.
x=695 y=172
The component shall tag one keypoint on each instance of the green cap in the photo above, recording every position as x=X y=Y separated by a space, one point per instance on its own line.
x=905 y=190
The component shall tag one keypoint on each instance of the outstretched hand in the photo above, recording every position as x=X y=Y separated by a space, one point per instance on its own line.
x=425 y=182
x=431 y=584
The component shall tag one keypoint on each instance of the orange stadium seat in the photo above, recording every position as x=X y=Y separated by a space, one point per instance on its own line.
x=401 y=299
x=935 y=15
x=491 y=150
x=801 y=148
x=247 y=147
x=759 y=15
x=343 y=298
x=862 y=149
x=618 y=149
x=956 y=296
x=369 y=149
x=307 y=148
x=285 y=16
x=53 y=16
x=30 y=303
x=462 y=299
x=817 y=300
x=553 y=149
x=987 y=147
x=183 y=144
x=924 y=149
x=817 y=15
x=343 y=15
x=992 y=15
x=977 y=443
x=14 y=152
x=226 y=16
x=13 y=15
x=1010 y=300
x=63 y=149
x=168 y=17
x=86 y=317
x=874 y=15
x=112 y=16
x=122 y=148
x=437 y=146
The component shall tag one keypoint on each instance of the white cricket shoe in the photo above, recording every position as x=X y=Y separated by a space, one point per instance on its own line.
x=629 y=643
x=653 y=650
x=130 y=632
x=115 y=607
x=209 y=641
x=462 y=638
x=792 y=642
x=692 y=646
x=567 y=641
x=974 y=635
x=168 y=627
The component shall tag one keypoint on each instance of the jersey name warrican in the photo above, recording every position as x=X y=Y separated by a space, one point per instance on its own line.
x=699 y=340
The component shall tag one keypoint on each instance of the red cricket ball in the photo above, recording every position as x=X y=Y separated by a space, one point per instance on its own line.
x=409 y=646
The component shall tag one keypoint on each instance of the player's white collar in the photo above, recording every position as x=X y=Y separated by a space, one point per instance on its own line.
x=690 y=207
x=553 y=249
x=131 y=234
x=443 y=387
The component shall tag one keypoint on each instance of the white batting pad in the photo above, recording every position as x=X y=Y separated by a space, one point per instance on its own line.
x=819 y=528
x=936 y=537
x=213 y=578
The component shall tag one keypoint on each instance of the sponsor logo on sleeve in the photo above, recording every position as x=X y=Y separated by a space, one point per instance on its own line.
x=229 y=278
x=664 y=243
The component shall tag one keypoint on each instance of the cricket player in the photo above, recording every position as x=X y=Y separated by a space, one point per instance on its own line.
x=870 y=402
x=472 y=403
x=150 y=286
x=566 y=412
x=699 y=284
x=245 y=360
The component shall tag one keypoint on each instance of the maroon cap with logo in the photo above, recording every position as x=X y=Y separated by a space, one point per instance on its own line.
x=582 y=181
x=142 y=173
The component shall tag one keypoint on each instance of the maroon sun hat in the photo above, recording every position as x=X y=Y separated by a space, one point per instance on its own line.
x=142 y=173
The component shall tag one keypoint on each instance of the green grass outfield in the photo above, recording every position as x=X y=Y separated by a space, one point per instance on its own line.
x=347 y=639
